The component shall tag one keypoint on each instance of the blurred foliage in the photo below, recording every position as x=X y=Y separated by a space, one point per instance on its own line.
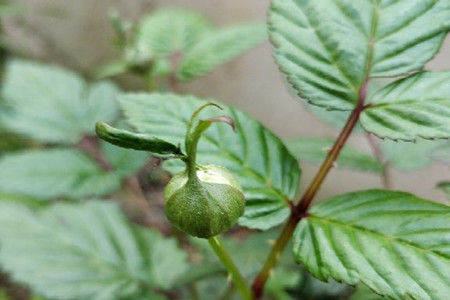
x=177 y=45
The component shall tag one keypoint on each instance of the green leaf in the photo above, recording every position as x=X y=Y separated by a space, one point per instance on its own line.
x=445 y=187
x=219 y=47
x=329 y=48
x=334 y=118
x=394 y=242
x=111 y=69
x=54 y=173
x=87 y=251
x=314 y=150
x=364 y=293
x=406 y=156
x=54 y=105
x=414 y=107
x=136 y=141
x=172 y=30
x=267 y=172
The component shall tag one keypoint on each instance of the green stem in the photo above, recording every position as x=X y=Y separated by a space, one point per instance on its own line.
x=299 y=211
x=225 y=258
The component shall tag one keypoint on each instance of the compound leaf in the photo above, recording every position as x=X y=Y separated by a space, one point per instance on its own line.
x=54 y=173
x=267 y=172
x=314 y=150
x=329 y=48
x=414 y=107
x=51 y=104
x=219 y=47
x=88 y=251
x=393 y=242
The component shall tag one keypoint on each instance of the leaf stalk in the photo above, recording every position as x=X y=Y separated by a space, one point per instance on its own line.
x=228 y=263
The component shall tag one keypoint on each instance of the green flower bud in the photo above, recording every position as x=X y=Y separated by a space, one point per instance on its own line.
x=206 y=204
x=204 y=200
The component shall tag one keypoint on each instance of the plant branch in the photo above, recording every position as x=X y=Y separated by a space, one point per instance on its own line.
x=225 y=258
x=300 y=210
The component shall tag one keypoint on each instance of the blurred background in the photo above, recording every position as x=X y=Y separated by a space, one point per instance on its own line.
x=78 y=34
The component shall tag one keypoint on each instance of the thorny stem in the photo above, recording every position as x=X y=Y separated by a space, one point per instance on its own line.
x=226 y=261
x=299 y=211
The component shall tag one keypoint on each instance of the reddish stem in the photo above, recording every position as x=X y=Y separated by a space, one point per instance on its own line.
x=300 y=211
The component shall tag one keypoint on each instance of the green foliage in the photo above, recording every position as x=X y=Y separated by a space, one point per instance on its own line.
x=314 y=150
x=50 y=104
x=395 y=243
x=332 y=52
x=405 y=156
x=411 y=108
x=183 y=44
x=68 y=173
x=172 y=30
x=344 y=43
x=364 y=293
x=54 y=173
x=87 y=251
x=268 y=179
x=219 y=47
x=334 y=118
x=131 y=140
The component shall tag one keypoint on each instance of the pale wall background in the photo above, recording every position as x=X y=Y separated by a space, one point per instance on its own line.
x=77 y=34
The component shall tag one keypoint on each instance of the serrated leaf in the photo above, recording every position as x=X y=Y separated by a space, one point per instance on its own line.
x=334 y=118
x=329 y=48
x=414 y=107
x=172 y=30
x=87 y=251
x=406 y=156
x=219 y=47
x=394 y=242
x=314 y=150
x=267 y=172
x=54 y=173
x=445 y=187
x=51 y=104
x=136 y=141
x=364 y=293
